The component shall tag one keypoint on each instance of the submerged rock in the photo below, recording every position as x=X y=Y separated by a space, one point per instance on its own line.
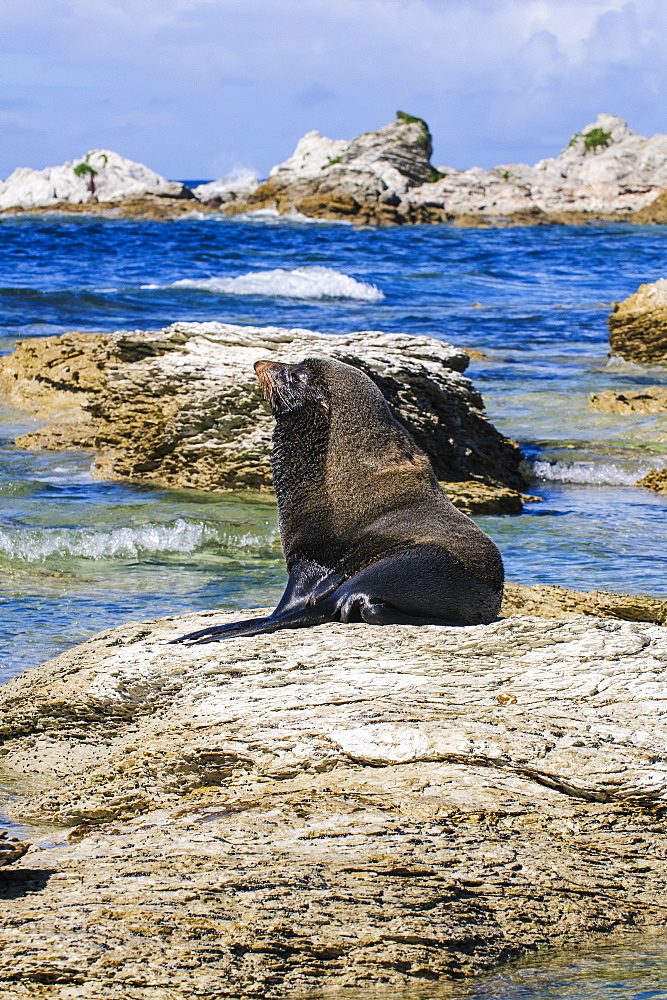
x=638 y=325
x=183 y=407
x=652 y=399
x=100 y=176
x=342 y=806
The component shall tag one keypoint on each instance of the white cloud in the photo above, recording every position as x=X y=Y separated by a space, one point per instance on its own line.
x=182 y=83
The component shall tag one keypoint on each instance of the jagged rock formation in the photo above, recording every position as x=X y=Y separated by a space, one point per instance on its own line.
x=100 y=176
x=342 y=806
x=638 y=325
x=652 y=399
x=387 y=177
x=182 y=406
x=367 y=179
x=606 y=168
x=383 y=177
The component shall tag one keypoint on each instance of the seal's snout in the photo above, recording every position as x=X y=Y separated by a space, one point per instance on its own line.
x=262 y=366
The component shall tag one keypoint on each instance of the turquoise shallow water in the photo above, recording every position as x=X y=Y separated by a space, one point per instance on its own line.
x=633 y=970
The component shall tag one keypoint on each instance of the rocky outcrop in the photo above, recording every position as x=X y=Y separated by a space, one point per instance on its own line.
x=606 y=170
x=367 y=179
x=655 y=480
x=99 y=176
x=652 y=399
x=384 y=177
x=638 y=325
x=182 y=406
x=654 y=214
x=347 y=806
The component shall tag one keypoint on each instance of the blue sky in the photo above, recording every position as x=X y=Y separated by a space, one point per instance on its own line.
x=197 y=88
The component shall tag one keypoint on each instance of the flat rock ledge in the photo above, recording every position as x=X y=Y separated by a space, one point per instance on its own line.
x=638 y=325
x=182 y=406
x=339 y=807
x=651 y=399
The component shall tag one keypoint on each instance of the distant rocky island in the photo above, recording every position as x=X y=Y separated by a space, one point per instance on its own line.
x=605 y=171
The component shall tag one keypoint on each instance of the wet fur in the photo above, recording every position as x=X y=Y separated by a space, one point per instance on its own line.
x=367 y=532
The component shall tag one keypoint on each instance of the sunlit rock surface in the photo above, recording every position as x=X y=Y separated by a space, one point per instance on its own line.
x=366 y=180
x=344 y=805
x=113 y=178
x=638 y=325
x=182 y=406
x=649 y=400
x=387 y=177
x=235 y=187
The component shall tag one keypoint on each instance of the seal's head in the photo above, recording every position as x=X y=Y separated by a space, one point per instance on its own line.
x=290 y=387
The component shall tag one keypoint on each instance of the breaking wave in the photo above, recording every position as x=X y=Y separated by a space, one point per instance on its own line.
x=602 y=474
x=34 y=545
x=301 y=283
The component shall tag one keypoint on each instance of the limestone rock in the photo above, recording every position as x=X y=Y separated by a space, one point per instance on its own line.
x=182 y=406
x=366 y=179
x=236 y=187
x=652 y=399
x=655 y=213
x=655 y=480
x=11 y=849
x=486 y=496
x=560 y=602
x=606 y=170
x=101 y=175
x=346 y=805
x=638 y=325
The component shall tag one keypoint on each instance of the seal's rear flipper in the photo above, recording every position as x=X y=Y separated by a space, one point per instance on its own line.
x=302 y=618
x=215 y=632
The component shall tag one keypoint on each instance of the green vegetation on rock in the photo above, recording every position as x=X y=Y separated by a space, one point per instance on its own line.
x=594 y=138
x=85 y=170
x=425 y=138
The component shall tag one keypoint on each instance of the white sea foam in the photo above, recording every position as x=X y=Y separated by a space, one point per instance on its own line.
x=301 y=283
x=33 y=545
x=601 y=474
x=272 y=215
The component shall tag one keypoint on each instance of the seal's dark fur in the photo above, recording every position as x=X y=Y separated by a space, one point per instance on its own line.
x=368 y=533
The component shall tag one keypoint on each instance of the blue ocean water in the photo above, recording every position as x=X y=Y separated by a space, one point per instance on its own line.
x=79 y=555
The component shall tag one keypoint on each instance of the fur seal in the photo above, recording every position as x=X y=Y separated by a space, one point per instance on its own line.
x=367 y=531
